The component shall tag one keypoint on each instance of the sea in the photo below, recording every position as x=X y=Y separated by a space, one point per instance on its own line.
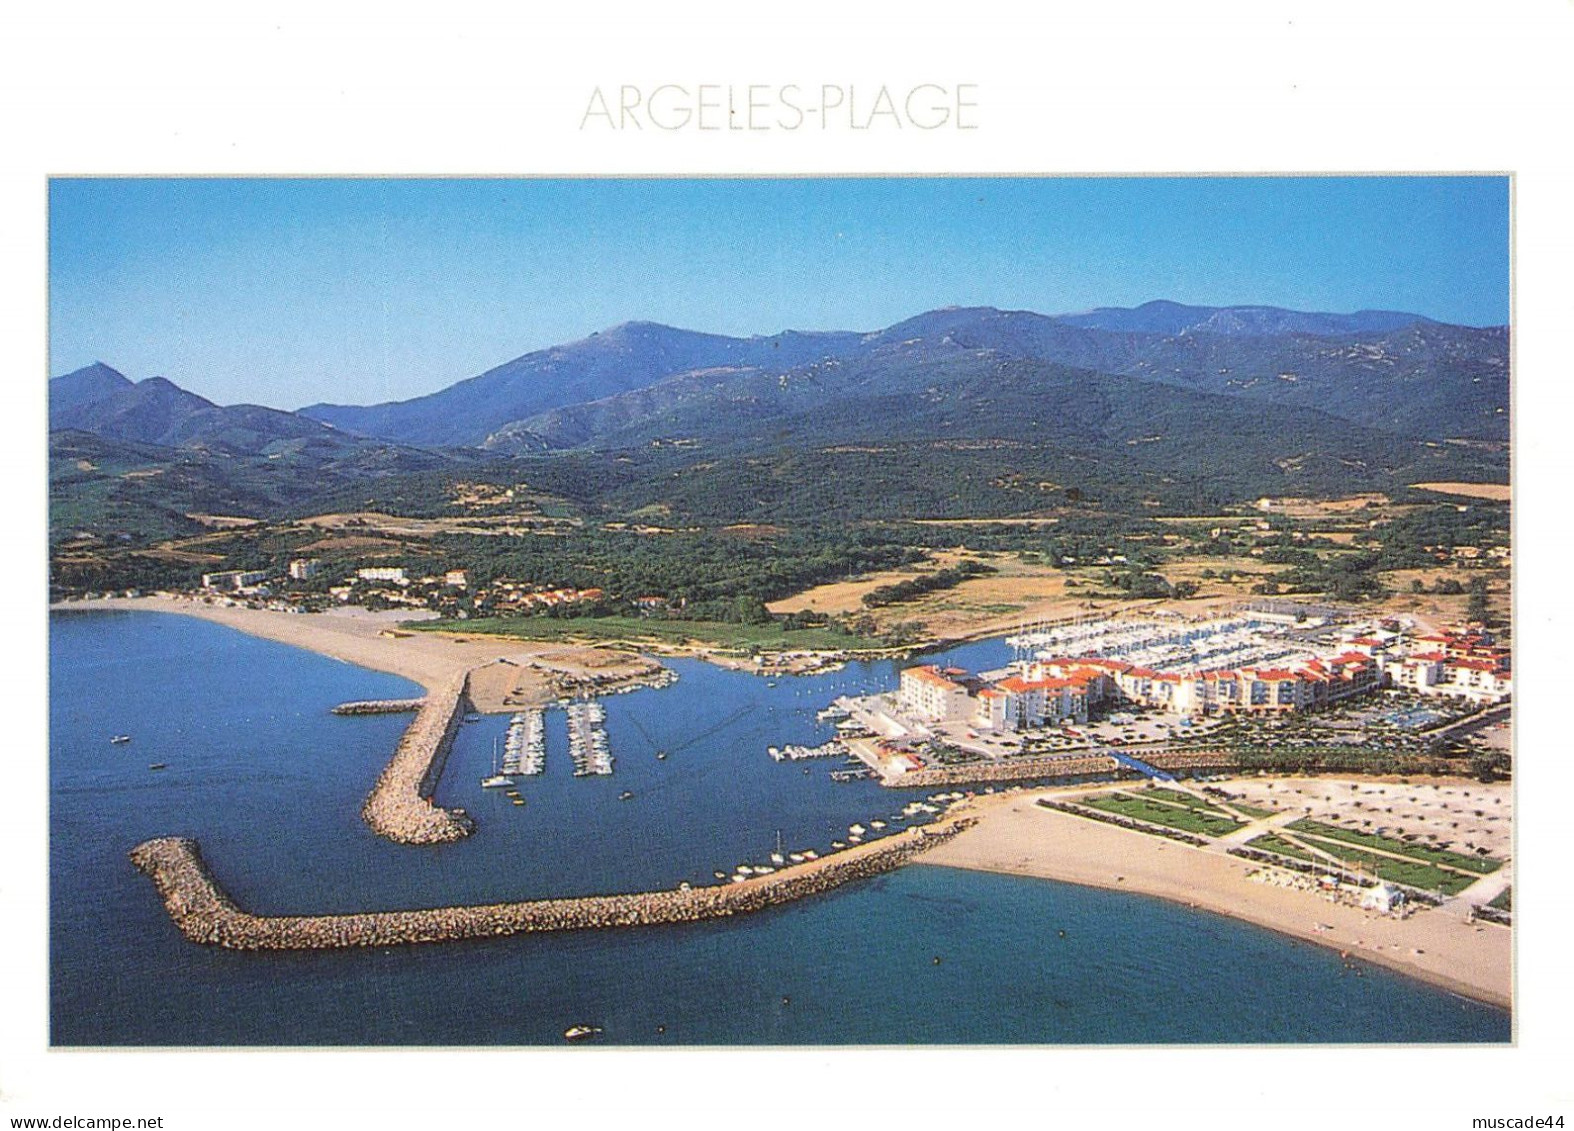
x=270 y=783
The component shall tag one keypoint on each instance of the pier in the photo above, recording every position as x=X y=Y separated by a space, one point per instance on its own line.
x=204 y=913
x=525 y=747
x=379 y=707
x=400 y=806
x=587 y=738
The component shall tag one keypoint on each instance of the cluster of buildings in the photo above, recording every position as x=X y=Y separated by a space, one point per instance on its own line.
x=523 y=597
x=1468 y=665
x=234 y=580
x=395 y=585
x=1245 y=665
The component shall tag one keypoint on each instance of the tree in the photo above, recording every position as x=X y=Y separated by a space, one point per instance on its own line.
x=1476 y=609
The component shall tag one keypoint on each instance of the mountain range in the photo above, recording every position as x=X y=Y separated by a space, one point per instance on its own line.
x=1395 y=372
x=1228 y=400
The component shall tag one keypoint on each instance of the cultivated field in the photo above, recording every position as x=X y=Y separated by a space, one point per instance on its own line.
x=1497 y=492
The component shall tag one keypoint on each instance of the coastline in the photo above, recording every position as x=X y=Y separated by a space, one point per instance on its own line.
x=505 y=674
x=1014 y=836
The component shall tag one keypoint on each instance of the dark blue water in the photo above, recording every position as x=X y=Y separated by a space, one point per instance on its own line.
x=271 y=784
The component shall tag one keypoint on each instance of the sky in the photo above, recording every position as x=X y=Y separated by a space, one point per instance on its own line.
x=290 y=292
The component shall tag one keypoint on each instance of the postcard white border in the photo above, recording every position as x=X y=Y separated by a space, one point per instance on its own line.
x=1129 y=87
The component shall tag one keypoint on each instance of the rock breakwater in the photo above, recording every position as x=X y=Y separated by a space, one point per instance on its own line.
x=379 y=707
x=205 y=914
x=400 y=806
x=1067 y=766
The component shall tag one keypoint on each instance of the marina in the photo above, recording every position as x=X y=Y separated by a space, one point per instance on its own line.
x=525 y=745
x=797 y=753
x=121 y=975
x=587 y=738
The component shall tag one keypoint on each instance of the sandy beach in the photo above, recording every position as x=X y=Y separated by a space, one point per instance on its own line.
x=1016 y=837
x=505 y=674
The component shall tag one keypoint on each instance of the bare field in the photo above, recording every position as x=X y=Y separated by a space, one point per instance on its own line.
x=1320 y=508
x=373 y=522
x=224 y=521
x=847 y=596
x=985 y=521
x=1496 y=492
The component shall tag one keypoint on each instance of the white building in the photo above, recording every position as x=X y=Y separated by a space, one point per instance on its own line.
x=234 y=578
x=383 y=573
x=1382 y=898
x=929 y=695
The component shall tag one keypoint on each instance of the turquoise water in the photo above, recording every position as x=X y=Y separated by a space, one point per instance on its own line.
x=271 y=784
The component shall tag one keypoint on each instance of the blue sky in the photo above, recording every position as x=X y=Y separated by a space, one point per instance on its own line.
x=286 y=292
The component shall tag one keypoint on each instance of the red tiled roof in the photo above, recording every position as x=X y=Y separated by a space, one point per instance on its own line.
x=930 y=674
x=1478 y=665
x=1108 y=665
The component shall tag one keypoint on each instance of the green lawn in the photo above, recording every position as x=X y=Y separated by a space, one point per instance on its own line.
x=1411 y=873
x=1158 y=813
x=1480 y=865
x=743 y=637
x=1268 y=842
x=1504 y=901
x=1178 y=797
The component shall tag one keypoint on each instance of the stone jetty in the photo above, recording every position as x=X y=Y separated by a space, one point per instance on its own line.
x=379 y=707
x=400 y=806
x=205 y=914
x=1011 y=770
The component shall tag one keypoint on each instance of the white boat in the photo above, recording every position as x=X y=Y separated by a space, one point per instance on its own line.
x=581 y=1032
x=120 y=740
x=856 y=830
x=497 y=780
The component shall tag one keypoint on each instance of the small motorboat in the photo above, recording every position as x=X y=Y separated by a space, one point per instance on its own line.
x=120 y=740
x=581 y=1032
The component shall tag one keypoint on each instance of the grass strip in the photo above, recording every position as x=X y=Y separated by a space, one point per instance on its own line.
x=1171 y=816
x=1480 y=865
